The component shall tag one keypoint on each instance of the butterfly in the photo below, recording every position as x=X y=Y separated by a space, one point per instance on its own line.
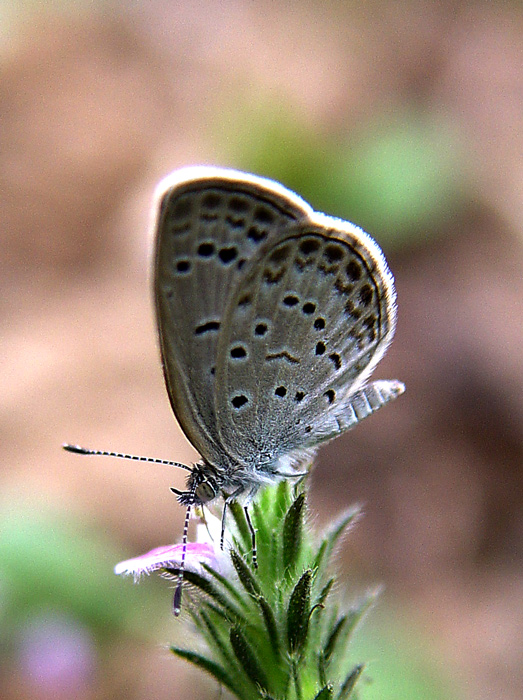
x=271 y=318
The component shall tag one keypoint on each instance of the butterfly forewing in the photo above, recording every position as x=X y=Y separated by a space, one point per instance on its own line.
x=308 y=322
x=211 y=225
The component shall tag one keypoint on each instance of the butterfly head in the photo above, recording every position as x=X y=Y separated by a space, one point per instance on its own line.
x=202 y=486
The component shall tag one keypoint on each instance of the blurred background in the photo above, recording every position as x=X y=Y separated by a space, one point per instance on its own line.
x=403 y=117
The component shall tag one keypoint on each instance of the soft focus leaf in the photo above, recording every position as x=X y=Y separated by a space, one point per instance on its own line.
x=292 y=532
x=298 y=613
x=247 y=658
x=210 y=667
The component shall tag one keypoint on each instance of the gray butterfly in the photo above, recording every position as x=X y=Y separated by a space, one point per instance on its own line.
x=271 y=318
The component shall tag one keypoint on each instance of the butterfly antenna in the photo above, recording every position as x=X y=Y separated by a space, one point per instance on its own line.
x=76 y=449
x=177 y=602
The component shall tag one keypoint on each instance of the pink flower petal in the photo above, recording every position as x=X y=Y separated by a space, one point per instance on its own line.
x=197 y=553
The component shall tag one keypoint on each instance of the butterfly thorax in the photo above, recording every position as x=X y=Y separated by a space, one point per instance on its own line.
x=207 y=481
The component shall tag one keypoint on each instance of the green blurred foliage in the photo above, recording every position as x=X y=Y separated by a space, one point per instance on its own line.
x=50 y=561
x=402 y=664
x=401 y=178
x=52 y=564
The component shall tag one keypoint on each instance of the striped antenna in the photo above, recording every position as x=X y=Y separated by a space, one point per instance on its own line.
x=76 y=449
x=177 y=601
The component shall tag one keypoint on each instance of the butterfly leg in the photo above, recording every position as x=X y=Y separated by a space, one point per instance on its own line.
x=249 y=498
x=253 y=537
x=228 y=500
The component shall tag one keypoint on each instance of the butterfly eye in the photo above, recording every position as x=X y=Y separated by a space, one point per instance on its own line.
x=205 y=492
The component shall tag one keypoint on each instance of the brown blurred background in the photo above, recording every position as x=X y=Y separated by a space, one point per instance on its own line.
x=404 y=117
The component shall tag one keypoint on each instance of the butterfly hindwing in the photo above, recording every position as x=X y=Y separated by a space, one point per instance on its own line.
x=310 y=319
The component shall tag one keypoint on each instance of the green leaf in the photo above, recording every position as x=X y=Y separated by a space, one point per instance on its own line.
x=218 y=611
x=333 y=637
x=247 y=658
x=358 y=610
x=325 y=693
x=270 y=624
x=293 y=532
x=325 y=592
x=347 y=519
x=240 y=519
x=349 y=683
x=217 y=641
x=321 y=668
x=244 y=574
x=226 y=584
x=319 y=560
x=298 y=613
x=282 y=497
x=206 y=586
x=211 y=667
x=262 y=524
